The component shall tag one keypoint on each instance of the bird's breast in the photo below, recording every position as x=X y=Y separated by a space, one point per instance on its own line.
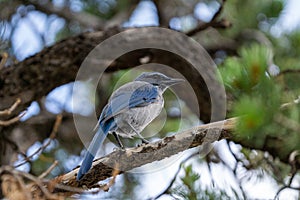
x=136 y=119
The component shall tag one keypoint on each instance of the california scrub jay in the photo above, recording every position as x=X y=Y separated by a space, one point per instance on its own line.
x=129 y=110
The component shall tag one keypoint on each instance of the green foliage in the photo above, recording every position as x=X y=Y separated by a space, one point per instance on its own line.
x=258 y=98
x=273 y=9
x=253 y=114
x=244 y=74
x=247 y=14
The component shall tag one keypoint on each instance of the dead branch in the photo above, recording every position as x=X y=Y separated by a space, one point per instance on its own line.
x=12 y=108
x=65 y=58
x=16 y=183
x=19 y=185
x=42 y=148
x=3 y=59
x=83 y=18
x=131 y=158
x=215 y=22
x=286 y=105
x=12 y=120
x=9 y=112
x=45 y=173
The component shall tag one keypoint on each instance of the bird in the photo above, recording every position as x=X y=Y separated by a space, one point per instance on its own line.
x=129 y=110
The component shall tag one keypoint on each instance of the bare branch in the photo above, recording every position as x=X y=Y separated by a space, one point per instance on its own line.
x=65 y=58
x=286 y=105
x=85 y=19
x=167 y=190
x=45 y=173
x=3 y=59
x=12 y=108
x=12 y=120
x=42 y=148
x=222 y=23
x=135 y=157
x=9 y=112
x=24 y=190
x=115 y=172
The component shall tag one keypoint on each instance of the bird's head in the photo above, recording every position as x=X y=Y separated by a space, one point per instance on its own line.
x=158 y=79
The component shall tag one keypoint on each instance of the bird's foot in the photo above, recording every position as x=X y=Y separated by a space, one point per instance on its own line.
x=144 y=141
x=119 y=148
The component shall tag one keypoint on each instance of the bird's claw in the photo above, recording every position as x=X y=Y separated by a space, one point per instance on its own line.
x=119 y=149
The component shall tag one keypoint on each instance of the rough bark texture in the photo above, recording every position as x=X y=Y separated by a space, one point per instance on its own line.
x=36 y=76
x=135 y=157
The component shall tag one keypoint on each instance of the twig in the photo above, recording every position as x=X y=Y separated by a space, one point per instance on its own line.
x=213 y=23
x=3 y=60
x=11 y=109
x=217 y=14
x=18 y=174
x=13 y=120
x=292 y=160
x=45 y=173
x=112 y=181
x=83 y=18
x=286 y=105
x=234 y=170
x=42 y=148
x=166 y=191
x=283 y=188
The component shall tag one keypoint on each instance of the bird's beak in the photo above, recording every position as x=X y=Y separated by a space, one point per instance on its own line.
x=173 y=81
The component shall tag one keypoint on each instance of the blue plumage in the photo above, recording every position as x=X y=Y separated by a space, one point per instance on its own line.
x=129 y=110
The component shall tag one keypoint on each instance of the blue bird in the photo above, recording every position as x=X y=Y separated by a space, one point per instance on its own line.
x=128 y=111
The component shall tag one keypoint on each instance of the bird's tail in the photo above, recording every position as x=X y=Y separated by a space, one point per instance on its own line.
x=92 y=151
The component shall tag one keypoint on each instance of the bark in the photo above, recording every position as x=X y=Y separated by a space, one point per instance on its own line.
x=131 y=158
x=36 y=76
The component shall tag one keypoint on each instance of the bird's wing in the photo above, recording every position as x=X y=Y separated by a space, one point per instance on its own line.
x=129 y=96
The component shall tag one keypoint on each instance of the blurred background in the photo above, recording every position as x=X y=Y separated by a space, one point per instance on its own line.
x=256 y=46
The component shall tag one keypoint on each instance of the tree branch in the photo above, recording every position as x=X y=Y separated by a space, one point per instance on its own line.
x=64 y=59
x=138 y=156
x=85 y=19
x=222 y=23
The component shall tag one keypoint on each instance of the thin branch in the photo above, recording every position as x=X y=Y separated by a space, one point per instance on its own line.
x=85 y=19
x=112 y=181
x=3 y=59
x=234 y=170
x=283 y=188
x=12 y=120
x=166 y=191
x=218 y=13
x=11 y=109
x=294 y=170
x=222 y=23
x=286 y=105
x=42 y=148
x=65 y=58
x=36 y=182
x=45 y=173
